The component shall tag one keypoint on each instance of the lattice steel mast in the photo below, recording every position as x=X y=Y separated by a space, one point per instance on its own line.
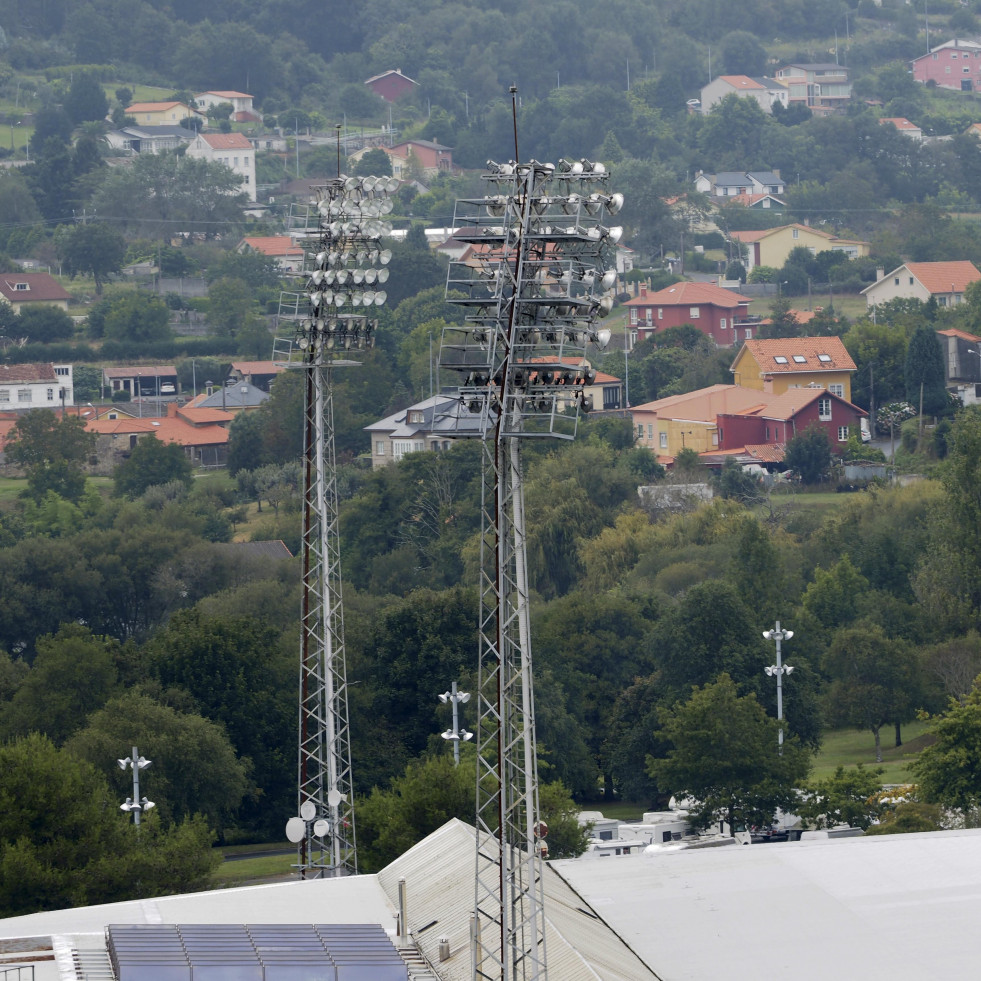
x=343 y=274
x=533 y=293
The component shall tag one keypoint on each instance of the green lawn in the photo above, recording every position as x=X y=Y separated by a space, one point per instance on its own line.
x=846 y=747
x=258 y=867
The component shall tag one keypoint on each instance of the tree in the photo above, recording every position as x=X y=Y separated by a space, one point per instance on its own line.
x=724 y=755
x=229 y=305
x=925 y=373
x=195 y=767
x=86 y=100
x=52 y=451
x=742 y=54
x=374 y=163
x=947 y=771
x=132 y=316
x=244 y=443
x=64 y=843
x=874 y=680
x=43 y=325
x=73 y=674
x=848 y=797
x=151 y=462
x=92 y=247
x=809 y=454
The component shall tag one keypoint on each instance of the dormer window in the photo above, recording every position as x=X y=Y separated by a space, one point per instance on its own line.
x=22 y=286
x=417 y=418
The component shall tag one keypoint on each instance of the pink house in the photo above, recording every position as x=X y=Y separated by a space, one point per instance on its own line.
x=390 y=85
x=718 y=313
x=434 y=158
x=954 y=64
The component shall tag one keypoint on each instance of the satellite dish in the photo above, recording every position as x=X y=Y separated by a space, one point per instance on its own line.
x=334 y=797
x=308 y=810
x=295 y=829
x=320 y=828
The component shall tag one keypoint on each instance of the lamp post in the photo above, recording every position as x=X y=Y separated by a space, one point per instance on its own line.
x=456 y=733
x=778 y=670
x=135 y=804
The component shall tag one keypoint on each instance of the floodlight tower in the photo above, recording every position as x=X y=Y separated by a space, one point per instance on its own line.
x=331 y=319
x=533 y=294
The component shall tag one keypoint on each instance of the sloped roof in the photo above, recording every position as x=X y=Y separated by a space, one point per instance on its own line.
x=945 y=277
x=900 y=122
x=786 y=405
x=962 y=334
x=258 y=367
x=134 y=370
x=704 y=404
x=226 y=141
x=227 y=94
x=40 y=286
x=439 y=414
x=742 y=82
x=272 y=245
x=27 y=374
x=167 y=430
x=755 y=236
x=688 y=294
x=819 y=354
x=240 y=395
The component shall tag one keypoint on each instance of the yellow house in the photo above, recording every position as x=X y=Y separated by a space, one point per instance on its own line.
x=162 y=113
x=780 y=363
x=772 y=246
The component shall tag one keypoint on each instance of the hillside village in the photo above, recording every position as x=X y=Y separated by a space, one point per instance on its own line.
x=781 y=425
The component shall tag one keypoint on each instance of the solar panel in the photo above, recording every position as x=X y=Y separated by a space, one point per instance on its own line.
x=260 y=952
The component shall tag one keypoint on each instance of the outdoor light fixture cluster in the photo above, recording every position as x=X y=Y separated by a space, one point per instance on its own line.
x=135 y=805
x=349 y=266
x=456 y=734
x=535 y=289
x=777 y=671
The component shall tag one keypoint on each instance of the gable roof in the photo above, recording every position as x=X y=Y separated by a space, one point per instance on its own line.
x=272 y=245
x=27 y=374
x=786 y=405
x=755 y=236
x=157 y=107
x=742 y=82
x=818 y=354
x=226 y=141
x=961 y=334
x=39 y=286
x=900 y=122
x=945 y=277
x=704 y=404
x=227 y=94
x=688 y=293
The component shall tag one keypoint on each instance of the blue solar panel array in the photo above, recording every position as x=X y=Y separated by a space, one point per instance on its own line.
x=263 y=952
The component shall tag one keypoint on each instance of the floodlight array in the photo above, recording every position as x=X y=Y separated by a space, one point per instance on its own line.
x=535 y=286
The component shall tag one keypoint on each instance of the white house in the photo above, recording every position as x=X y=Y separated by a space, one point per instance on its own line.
x=35 y=386
x=766 y=91
x=944 y=281
x=233 y=150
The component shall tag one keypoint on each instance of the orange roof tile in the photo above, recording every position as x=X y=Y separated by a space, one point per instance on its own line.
x=687 y=293
x=258 y=367
x=226 y=141
x=273 y=245
x=945 y=277
x=705 y=404
x=818 y=353
x=742 y=82
x=962 y=334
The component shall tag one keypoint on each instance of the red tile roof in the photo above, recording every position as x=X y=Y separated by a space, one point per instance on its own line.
x=258 y=367
x=766 y=351
x=706 y=403
x=226 y=141
x=168 y=430
x=742 y=82
x=26 y=374
x=688 y=294
x=945 y=277
x=40 y=286
x=962 y=334
x=273 y=245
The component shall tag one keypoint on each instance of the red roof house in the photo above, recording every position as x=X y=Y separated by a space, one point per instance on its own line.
x=715 y=311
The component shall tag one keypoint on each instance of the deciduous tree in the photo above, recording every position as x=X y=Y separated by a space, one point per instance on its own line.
x=52 y=451
x=151 y=462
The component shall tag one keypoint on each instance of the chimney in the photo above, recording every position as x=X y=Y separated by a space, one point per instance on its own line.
x=643 y=291
x=880 y=273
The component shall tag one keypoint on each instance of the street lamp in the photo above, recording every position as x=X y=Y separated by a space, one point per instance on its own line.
x=778 y=670
x=135 y=804
x=456 y=733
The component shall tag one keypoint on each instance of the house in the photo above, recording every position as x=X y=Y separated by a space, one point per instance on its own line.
x=903 y=125
x=241 y=103
x=203 y=439
x=718 y=313
x=962 y=364
x=776 y=365
x=823 y=88
x=427 y=425
x=944 y=281
x=231 y=149
x=148 y=139
x=28 y=289
x=36 y=386
x=766 y=91
x=772 y=246
x=433 y=158
x=162 y=113
x=390 y=85
x=259 y=373
x=779 y=418
x=669 y=425
x=287 y=255
x=228 y=400
x=955 y=64
x=141 y=381
x=735 y=184
x=758 y=202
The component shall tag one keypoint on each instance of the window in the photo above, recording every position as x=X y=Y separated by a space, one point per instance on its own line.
x=715 y=439
x=824 y=409
x=640 y=430
x=824 y=357
x=379 y=447
x=749 y=333
x=838 y=390
x=660 y=313
x=61 y=371
x=842 y=434
x=722 y=323
x=896 y=281
x=51 y=394
x=800 y=359
x=796 y=233
x=23 y=395
x=4 y=394
x=663 y=437
x=966 y=70
x=911 y=280
x=766 y=433
x=780 y=359
x=650 y=430
x=22 y=286
x=694 y=313
x=417 y=417
x=633 y=315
